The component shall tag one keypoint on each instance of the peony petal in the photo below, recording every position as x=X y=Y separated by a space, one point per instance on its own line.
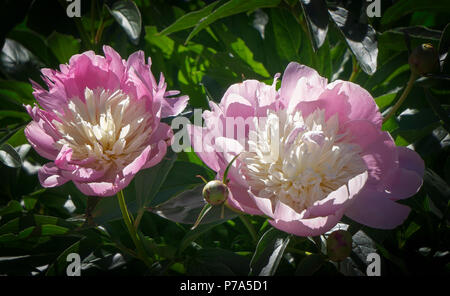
x=241 y=200
x=263 y=204
x=374 y=209
x=41 y=142
x=410 y=160
x=173 y=106
x=50 y=176
x=300 y=83
x=204 y=151
x=351 y=102
x=308 y=227
x=97 y=188
x=402 y=184
x=156 y=154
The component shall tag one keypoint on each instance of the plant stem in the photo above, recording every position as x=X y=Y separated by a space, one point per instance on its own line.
x=354 y=69
x=138 y=218
x=249 y=227
x=409 y=85
x=296 y=251
x=134 y=236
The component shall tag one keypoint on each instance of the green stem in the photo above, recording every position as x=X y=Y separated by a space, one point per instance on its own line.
x=138 y=218
x=128 y=222
x=249 y=227
x=409 y=85
x=296 y=251
x=354 y=69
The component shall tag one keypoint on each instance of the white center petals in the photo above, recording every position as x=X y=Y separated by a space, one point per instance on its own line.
x=299 y=160
x=108 y=127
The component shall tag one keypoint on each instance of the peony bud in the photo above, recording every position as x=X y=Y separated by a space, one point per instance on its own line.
x=424 y=59
x=339 y=245
x=215 y=192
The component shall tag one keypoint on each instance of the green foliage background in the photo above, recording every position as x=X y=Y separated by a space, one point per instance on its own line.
x=202 y=48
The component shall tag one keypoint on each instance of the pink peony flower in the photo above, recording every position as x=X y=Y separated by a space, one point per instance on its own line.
x=310 y=153
x=100 y=122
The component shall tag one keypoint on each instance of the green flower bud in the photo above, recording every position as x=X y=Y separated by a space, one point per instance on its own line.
x=424 y=59
x=215 y=192
x=339 y=245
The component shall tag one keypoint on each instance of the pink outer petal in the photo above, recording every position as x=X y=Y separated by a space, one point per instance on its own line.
x=156 y=154
x=229 y=148
x=41 y=141
x=249 y=98
x=54 y=98
x=338 y=199
x=317 y=219
x=115 y=61
x=378 y=149
x=263 y=204
x=402 y=184
x=113 y=182
x=76 y=170
x=375 y=209
x=300 y=83
x=351 y=102
x=85 y=73
x=173 y=106
x=410 y=160
x=50 y=176
x=241 y=200
x=308 y=227
x=407 y=179
x=206 y=154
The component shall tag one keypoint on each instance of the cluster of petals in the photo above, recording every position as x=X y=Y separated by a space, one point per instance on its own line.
x=99 y=121
x=332 y=157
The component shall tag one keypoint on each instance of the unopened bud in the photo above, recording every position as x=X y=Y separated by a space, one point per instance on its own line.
x=215 y=192
x=339 y=245
x=424 y=59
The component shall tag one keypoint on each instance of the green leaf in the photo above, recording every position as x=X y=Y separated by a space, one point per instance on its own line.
x=148 y=182
x=36 y=43
x=128 y=16
x=12 y=207
x=438 y=190
x=63 y=46
x=9 y=156
x=241 y=50
x=404 y=7
x=190 y=19
x=360 y=38
x=288 y=34
x=18 y=62
x=186 y=206
x=217 y=262
x=310 y=264
x=50 y=229
x=269 y=252
x=444 y=46
x=164 y=43
x=230 y=8
x=22 y=90
x=316 y=15
x=195 y=233
x=83 y=247
x=15 y=114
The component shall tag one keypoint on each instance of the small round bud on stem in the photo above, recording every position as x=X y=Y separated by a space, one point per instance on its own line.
x=215 y=192
x=339 y=245
x=424 y=59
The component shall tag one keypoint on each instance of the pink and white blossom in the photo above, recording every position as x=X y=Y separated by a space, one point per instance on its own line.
x=100 y=121
x=319 y=154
